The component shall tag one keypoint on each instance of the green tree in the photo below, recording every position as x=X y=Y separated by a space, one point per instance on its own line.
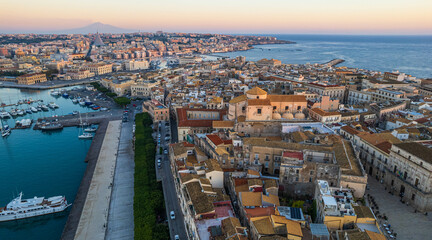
x=122 y=101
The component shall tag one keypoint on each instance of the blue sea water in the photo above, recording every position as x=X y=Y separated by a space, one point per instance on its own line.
x=409 y=54
x=40 y=164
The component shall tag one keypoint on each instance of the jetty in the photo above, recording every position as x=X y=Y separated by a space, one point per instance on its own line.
x=333 y=62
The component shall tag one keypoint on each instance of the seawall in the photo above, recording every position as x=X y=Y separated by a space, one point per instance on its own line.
x=78 y=204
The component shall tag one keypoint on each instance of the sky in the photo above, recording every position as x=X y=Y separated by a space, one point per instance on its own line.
x=382 y=17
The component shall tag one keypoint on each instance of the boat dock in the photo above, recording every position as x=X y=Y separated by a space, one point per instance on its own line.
x=74 y=120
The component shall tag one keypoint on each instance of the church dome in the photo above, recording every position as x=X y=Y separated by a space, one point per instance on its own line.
x=300 y=115
x=287 y=115
x=276 y=116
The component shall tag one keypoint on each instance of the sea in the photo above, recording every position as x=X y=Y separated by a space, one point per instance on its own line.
x=409 y=54
x=40 y=164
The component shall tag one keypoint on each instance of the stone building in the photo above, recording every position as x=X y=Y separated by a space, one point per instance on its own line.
x=31 y=78
x=410 y=174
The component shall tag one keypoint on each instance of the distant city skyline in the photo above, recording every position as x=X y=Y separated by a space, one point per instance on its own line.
x=384 y=17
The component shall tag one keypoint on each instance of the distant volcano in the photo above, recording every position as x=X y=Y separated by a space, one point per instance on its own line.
x=95 y=27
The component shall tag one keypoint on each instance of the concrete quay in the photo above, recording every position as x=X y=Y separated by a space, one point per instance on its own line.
x=103 y=140
x=94 y=216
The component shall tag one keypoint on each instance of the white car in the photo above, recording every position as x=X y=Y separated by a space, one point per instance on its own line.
x=172 y=215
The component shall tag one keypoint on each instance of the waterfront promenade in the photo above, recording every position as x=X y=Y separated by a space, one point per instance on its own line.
x=94 y=216
x=121 y=216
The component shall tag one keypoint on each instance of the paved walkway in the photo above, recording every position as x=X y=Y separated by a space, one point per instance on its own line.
x=120 y=217
x=403 y=220
x=93 y=222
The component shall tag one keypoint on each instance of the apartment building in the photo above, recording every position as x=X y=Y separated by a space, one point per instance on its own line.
x=325 y=117
x=337 y=209
x=334 y=91
x=143 y=89
x=409 y=174
x=99 y=68
x=157 y=110
x=388 y=94
x=358 y=97
x=191 y=121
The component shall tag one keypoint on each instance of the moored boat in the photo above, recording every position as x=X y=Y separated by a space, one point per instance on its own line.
x=20 y=208
x=51 y=126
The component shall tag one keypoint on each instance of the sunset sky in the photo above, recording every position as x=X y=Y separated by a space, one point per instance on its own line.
x=223 y=16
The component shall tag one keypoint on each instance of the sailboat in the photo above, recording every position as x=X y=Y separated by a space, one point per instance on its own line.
x=84 y=135
x=5 y=130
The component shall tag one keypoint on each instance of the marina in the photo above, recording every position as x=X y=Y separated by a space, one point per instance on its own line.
x=30 y=165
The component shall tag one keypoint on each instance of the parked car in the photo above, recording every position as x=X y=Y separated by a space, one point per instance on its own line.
x=176 y=237
x=165 y=151
x=172 y=215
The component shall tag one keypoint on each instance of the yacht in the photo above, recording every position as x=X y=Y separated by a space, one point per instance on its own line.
x=4 y=114
x=82 y=102
x=75 y=100
x=55 y=93
x=53 y=105
x=20 y=208
x=90 y=129
x=14 y=113
x=20 y=112
x=51 y=126
x=33 y=109
x=28 y=110
x=85 y=135
x=44 y=107
x=5 y=130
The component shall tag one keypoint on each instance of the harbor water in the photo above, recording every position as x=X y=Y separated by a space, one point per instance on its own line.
x=40 y=164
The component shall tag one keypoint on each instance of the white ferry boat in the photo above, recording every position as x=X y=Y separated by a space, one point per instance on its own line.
x=25 y=208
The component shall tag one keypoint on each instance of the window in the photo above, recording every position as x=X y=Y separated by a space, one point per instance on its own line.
x=416 y=182
x=311 y=172
x=257 y=97
x=299 y=108
x=274 y=107
x=259 y=110
x=413 y=196
x=286 y=108
x=243 y=109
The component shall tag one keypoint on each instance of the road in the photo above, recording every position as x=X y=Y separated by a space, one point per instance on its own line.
x=164 y=173
x=120 y=215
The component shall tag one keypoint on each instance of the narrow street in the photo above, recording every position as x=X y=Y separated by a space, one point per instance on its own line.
x=164 y=173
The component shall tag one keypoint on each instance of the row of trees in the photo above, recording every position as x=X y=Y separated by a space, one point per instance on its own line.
x=122 y=101
x=149 y=209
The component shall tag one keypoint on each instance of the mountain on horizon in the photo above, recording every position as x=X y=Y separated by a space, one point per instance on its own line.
x=95 y=27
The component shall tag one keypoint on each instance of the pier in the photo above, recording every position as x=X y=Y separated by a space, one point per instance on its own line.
x=333 y=62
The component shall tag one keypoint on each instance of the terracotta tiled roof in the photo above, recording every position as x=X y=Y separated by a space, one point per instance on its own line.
x=287 y=98
x=251 y=199
x=215 y=139
x=223 y=124
x=321 y=112
x=238 y=99
x=258 y=102
x=256 y=91
x=350 y=130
